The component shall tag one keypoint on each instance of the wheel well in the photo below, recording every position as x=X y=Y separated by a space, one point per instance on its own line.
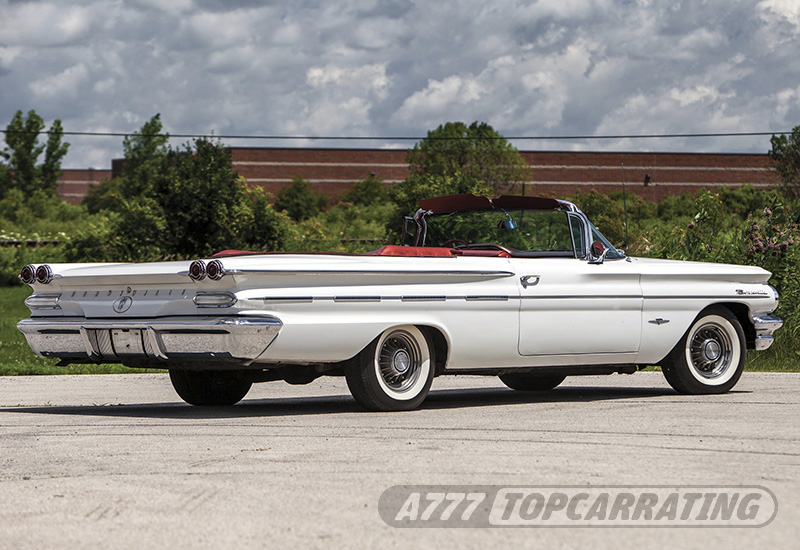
x=742 y=314
x=440 y=348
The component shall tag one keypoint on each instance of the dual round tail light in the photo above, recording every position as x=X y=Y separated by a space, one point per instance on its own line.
x=28 y=274
x=198 y=270
x=215 y=270
x=31 y=274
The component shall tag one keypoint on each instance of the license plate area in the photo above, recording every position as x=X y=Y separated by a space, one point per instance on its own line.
x=127 y=342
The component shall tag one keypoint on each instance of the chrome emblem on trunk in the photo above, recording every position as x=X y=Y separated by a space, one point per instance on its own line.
x=123 y=304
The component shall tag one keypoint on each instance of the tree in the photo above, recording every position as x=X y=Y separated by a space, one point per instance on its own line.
x=407 y=194
x=299 y=200
x=186 y=202
x=144 y=152
x=22 y=153
x=367 y=192
x=475 y=151
x=785 y=153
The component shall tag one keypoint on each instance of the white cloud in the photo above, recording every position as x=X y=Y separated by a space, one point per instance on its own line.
x=788 y=10
x=63 y=85
x=42 y=24
x=399 y=67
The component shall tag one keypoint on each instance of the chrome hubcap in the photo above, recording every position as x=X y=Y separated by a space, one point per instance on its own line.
x=711 y=350
x=399 y=361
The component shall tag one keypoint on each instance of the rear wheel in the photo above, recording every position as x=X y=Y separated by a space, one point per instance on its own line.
x=209 y=387
x=526 y=381
x=393 y=373
x=710 y=357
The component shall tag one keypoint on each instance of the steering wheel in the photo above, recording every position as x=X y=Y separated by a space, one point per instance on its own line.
x=456 y=241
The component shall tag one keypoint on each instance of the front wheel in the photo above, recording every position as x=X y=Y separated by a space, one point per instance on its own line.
x=393 y=373
x=209 y=387
x=710 y=357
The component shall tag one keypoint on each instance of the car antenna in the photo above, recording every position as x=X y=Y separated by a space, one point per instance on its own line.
x=625 y=204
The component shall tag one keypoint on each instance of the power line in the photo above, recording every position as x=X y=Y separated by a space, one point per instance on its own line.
x=407 y=138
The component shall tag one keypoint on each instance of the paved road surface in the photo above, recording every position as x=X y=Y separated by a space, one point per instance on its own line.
x=119 y=462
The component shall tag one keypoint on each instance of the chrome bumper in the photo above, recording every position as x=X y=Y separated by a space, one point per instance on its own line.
x=765 y=325
x=240 y=339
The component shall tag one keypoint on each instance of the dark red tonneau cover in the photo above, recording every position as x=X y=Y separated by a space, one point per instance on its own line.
x=468 y=201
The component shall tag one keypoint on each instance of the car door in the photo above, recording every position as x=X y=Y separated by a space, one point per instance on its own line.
x=569 y=307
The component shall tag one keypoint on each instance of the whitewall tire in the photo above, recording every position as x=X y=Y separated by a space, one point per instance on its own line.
x=393 y=373
x=710 y=357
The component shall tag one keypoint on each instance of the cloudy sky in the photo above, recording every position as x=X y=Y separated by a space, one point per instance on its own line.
x=400 y=67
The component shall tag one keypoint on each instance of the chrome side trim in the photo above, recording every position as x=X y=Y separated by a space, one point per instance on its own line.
x=709 y=297
x=433 y=298
x=486 y=298
x=288 y=299
x=376 y=272
x=356 y=298
x=583 y=297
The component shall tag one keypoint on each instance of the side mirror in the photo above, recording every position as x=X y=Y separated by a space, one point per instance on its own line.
x=599 y=253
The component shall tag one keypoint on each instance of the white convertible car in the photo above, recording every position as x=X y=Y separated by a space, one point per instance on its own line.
x=522 y=288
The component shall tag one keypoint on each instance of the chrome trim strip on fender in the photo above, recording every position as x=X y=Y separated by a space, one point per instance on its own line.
x=356 y=298
x=498 y=274
x=709 y=297
x=423 y=298
x=582 y=297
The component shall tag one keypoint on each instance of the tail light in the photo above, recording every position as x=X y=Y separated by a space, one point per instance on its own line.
x=44 y=274
x=28 y=274
x=197 y=270
x=215 y=270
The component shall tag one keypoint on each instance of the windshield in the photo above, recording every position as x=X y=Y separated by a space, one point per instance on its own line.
x=539 y=231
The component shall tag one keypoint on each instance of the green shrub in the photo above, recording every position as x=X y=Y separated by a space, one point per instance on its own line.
x=367 y=192
x=299 y=201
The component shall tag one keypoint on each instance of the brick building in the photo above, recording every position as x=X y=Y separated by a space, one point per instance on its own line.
x=332 y=171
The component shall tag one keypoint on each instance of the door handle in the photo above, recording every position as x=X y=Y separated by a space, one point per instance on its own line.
x=529 y=280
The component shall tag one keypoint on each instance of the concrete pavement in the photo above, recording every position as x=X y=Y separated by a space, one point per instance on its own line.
x=119 y=461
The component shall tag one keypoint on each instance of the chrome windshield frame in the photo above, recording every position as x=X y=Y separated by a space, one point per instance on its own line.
x=420 y=218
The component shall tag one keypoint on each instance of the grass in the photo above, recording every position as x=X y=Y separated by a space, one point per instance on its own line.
x=16 y=358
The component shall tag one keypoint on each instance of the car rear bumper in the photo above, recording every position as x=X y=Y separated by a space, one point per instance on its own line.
x=71 y=339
